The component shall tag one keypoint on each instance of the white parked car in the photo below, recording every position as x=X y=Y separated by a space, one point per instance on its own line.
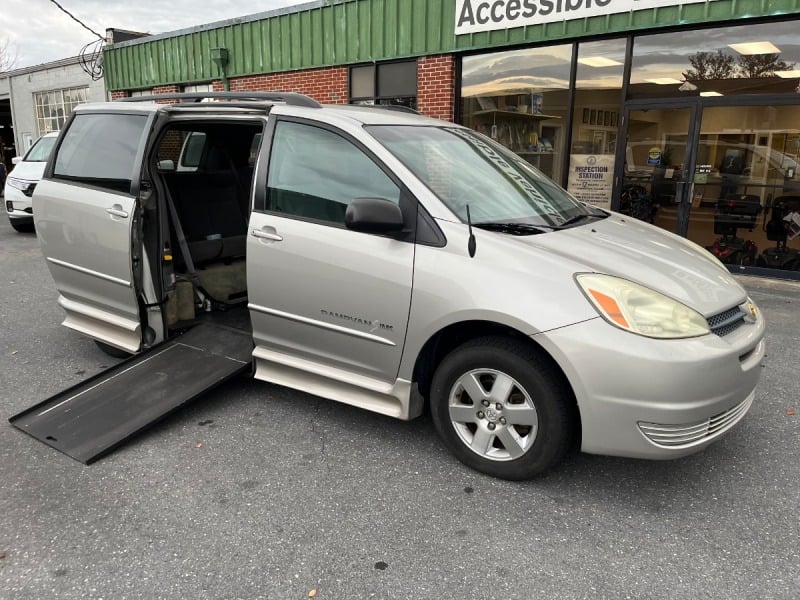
x=22 y=180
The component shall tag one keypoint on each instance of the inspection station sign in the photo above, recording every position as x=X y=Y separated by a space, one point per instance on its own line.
x=591 y=177
x=473 y=16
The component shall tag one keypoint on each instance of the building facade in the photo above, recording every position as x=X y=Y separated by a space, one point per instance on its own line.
x=39 y=99
x=681 y=113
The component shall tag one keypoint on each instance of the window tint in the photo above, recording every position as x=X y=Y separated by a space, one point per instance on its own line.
x=101 y=149
x=315 y=173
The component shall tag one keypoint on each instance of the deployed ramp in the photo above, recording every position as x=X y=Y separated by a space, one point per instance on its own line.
x=92 y=418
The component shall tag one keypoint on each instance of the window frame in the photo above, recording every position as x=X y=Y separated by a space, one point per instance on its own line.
x=376 y=98
x=40 y=101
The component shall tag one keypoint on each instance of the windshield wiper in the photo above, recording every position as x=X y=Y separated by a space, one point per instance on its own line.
x=578 y=219
x=512 y=228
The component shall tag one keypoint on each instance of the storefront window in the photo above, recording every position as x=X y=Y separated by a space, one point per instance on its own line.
x=724 y=61
x=746 y=185
x=519 y=98
x=595 y=120
x=391 y=83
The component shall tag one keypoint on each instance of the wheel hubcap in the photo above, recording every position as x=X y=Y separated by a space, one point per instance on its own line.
x=493 y=415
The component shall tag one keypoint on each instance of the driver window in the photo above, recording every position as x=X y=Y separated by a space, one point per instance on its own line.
x=315 y=173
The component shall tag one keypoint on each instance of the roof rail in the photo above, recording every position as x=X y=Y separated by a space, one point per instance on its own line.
x=290 y=98
x=395 y=107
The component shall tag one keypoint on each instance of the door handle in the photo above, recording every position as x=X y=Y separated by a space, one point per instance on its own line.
x=267 y=235
x=117 y=211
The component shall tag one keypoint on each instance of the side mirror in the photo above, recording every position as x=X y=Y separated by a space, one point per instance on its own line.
x=16 y=160
x=373 y=215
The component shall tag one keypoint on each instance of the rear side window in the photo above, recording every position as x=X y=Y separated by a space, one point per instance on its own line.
x=101 y=149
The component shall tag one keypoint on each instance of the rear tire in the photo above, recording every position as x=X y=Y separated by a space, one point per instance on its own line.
x=502 y=408
x=112 y=351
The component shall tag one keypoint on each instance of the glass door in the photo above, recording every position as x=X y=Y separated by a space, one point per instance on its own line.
x=747 y=186
x=656 y=183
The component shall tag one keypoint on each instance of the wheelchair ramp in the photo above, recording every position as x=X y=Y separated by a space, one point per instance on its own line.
x=92 y=418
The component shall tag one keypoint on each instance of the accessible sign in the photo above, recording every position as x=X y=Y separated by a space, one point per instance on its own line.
x=473 y=16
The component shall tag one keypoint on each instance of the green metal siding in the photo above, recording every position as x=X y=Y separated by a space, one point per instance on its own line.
x=340 y=32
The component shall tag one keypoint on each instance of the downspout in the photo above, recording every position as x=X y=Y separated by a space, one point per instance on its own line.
x=219 y=56
x=17 y=133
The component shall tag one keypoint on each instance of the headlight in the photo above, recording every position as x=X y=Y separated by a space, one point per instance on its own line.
x=638 y=309
x=26 y=187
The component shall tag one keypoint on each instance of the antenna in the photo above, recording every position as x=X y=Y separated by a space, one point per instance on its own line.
x=471 y=242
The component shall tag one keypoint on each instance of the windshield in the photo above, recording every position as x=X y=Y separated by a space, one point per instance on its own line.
x=465 y=168
x=40 y=151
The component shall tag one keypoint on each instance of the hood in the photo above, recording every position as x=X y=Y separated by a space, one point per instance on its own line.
x=649 y=256
x=28 y=170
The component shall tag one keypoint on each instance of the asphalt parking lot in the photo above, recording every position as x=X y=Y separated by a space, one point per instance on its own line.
x=257 y=491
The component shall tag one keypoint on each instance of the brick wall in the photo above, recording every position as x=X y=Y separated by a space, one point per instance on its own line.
x=436 y=80
x=435 y=85
x=327 y=85
x=166 y=89
x=116 y=95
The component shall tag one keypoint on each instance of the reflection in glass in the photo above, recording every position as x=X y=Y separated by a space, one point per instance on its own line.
x=746 y=184
x=594 y=122
x=519 y=98
x=654 y=181
x=752 y=59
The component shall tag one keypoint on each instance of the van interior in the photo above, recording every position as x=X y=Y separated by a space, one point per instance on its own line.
x=203 y=176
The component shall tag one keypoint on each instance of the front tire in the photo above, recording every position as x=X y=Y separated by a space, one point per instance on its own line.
x=502 y=408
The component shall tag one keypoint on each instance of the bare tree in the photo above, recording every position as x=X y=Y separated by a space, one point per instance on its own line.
x=8 y=55
x=762 y=65
x=710 y=65
x=718 y=65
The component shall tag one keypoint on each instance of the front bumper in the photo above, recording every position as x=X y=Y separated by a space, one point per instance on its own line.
x=18 y=206
x=659 y=399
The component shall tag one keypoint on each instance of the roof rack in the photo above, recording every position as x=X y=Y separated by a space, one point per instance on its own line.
x=394 y=107
x=290 y=98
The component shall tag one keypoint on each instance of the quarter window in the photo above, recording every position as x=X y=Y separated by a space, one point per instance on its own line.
x=315 y=173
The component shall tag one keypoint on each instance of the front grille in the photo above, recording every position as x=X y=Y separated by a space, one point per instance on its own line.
x=726 y=322
x=683 y=436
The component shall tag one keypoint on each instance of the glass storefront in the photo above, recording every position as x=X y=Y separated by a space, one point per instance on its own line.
x=520 y=98
x=702 y=140
x=732 y=186
x=596 y=120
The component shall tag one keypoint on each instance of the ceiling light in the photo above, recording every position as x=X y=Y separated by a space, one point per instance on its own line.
x=687 y=86
x=663 y=80
x=598 y=61
x=710 y=94
x=756 y=48
x=788 y=74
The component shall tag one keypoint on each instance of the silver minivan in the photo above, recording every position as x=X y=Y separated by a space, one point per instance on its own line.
x=398 y=264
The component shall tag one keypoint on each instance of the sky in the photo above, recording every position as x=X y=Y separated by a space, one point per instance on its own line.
x=38 y=32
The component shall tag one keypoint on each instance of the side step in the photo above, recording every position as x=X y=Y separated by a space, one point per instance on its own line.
x=95 y=416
